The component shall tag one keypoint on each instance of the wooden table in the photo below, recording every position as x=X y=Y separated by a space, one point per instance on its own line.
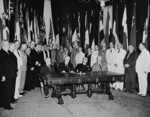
x=74 y=79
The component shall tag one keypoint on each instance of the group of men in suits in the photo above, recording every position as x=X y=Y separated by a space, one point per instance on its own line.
x=20 y=67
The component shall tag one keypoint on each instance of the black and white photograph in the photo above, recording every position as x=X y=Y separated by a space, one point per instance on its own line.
x=74 y=58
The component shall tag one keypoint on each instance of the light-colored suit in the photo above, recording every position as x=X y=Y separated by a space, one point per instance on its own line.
x=17 y=53
x=23 y=71
x=142 y=68
x=119 y=68
x=110 y=57
x=79 y=58
x=94 y=56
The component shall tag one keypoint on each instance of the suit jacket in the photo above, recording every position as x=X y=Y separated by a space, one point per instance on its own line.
x=7 y=65
x=143 y=61
x=66 y=68
x=82 y=68
x=131 y=60
x=96 y=67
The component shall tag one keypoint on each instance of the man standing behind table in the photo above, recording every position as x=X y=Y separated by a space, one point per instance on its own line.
x=119 y=67
x=110 y=57
x=79 y=56
x=130 y=74
x=142 y=69
x=74 y=53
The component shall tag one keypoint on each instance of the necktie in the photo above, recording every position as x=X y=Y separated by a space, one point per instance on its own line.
x=118 y=50
x=128 y=55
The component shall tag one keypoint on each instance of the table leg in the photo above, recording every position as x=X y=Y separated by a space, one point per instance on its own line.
x=111 y=97
x=89 y=91
x=73 y=91
x=53 y=95
x=58 y=95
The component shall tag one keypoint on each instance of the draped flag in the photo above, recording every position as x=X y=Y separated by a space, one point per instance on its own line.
x=28 y=27
x=1 y=8
x=145 y=31
x=101 y=32
x=125 y=30
x=115 y=25
x=57 y=39
x=133 y=29
x=11 y=8
x=74 y=36
x=17 y=22
x=145 y=34
x=86 y=44
x=93 y=44
x=1 y=26
x=47 y=16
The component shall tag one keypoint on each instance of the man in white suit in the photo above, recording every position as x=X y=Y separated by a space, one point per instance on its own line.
x=119 y=67
x=18 y=55
x=142 y=69
x=94 y=55
x=110 y=57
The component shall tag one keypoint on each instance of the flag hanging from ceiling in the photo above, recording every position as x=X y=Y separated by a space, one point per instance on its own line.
x=133 y=29
x=125 y=30
x=86 y=44
x=47 y=16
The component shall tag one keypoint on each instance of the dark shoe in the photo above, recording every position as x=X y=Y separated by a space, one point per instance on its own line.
x=14 y=101
x=22 y=93
x=8 y=108
x=47 y=96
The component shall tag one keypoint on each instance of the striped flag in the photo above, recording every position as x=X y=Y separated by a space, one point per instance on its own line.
x=47 y=16
x=125 y=30
x=133 y=29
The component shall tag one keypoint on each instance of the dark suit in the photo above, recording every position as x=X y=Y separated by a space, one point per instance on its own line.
x=29 y=83
x=7 y=70
x=82 y=68
x=130 y=73
x=66 y=68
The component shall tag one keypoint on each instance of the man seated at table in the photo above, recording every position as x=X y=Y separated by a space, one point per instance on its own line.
x=47 y=68
x=97 y=67
x=83 y=68
x=66 y=66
